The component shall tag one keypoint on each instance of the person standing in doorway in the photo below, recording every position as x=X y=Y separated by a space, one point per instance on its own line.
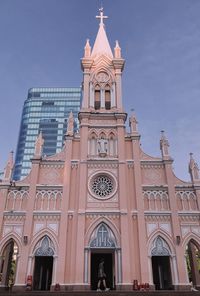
x=101 y=276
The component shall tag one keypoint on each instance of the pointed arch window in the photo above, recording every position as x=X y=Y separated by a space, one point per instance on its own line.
x=97 y=97
x=107 y=98
x=103 y=237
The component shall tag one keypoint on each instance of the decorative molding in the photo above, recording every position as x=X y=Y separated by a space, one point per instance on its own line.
x=157 y=217
x=52 y=165
x=74 y=164
x=157 y=200
x=48 y=200
x=46 y=216
x=13 y=216
x=151 y=165
x=189 y=217
x=160 y=248
x=130 y=163
x=186 y=194
x=102 y=237
x=45 y=247
x=94 y=216
x=103 y=165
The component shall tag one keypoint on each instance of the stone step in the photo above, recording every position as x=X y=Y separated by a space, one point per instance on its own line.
x=95 y=293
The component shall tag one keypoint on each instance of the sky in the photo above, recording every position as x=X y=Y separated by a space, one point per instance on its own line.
x=42 y=42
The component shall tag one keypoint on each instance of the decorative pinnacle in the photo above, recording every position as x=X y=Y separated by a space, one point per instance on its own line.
x=101 y=16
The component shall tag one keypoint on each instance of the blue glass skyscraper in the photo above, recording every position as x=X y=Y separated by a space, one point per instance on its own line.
x=45 y=110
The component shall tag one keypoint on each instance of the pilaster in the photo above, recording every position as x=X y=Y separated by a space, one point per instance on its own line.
x=28 y=225
x=123 y=205
x=142 y=246
x=176 y=231
x=63 y=231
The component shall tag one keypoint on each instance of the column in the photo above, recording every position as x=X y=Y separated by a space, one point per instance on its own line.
x=119 y=89
x=119 y=266
x=102 y=98
x=54 y=279
x=125 y=218
x=150 y=271
x=63 y=231
x=85 y=104
x=91 y=95
x=86 y=266
x=113 y=94
x=174 y=265
x=17 y=269
x=142 y=243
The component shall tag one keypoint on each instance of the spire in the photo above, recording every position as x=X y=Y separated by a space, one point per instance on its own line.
x=101 y=45
x=87 y=49
x=193 y=169
x=117 y=50
x=9 y=168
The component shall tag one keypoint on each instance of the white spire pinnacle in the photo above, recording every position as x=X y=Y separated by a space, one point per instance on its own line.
x=101 y=45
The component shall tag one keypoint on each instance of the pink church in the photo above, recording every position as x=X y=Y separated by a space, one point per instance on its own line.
x=100 y=198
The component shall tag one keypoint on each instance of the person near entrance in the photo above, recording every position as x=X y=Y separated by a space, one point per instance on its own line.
x=101 y=276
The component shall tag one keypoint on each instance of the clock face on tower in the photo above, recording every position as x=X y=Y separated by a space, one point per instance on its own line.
x=102 y=77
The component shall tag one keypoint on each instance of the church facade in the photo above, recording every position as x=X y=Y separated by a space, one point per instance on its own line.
x=101 y=197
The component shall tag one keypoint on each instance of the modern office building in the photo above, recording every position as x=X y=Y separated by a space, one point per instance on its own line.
x=45 y=110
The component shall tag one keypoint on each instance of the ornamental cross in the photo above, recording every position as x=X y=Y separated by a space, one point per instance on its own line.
x=102 y=231
x=101 y=16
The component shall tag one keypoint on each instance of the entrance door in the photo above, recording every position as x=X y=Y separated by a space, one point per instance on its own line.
x=8 y=264
x=43 y=272
x=161 y=272
x=108 y=268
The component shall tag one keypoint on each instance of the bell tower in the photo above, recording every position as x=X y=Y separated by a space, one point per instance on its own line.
x=102 y=90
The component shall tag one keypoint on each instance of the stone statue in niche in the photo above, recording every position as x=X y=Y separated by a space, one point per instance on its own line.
x=102 y=147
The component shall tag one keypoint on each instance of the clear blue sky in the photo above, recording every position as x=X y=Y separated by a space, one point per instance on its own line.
x=42 y=41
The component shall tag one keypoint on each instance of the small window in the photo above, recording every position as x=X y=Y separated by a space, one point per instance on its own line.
x=97 y=98
x=107 y=97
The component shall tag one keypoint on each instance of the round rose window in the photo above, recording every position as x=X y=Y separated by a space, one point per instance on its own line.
x=102 y=186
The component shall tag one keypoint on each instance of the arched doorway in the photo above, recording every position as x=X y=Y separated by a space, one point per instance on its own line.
x=44 y=253
x=8 y=264
x=193 y=262
x=103 y=246
x=161 y=265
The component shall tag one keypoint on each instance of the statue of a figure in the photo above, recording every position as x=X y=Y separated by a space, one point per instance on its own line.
x=193 y=168
x=102 y=146
x=133 y=124
x=164 y=145
x=70 y=125
x=39 y=145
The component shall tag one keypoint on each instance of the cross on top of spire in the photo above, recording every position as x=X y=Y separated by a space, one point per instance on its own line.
x=101 y=16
